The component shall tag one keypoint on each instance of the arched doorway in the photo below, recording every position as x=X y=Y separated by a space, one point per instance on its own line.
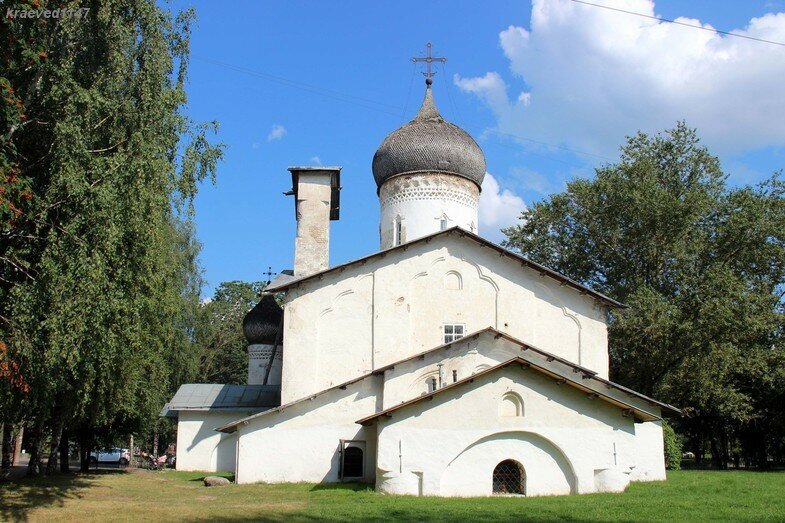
x=353 y=462
x=509 y=478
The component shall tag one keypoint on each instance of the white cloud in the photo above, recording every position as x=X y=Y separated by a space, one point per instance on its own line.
x=276 y=133
x=316 y=160
x=587 y=76
x=498 y=208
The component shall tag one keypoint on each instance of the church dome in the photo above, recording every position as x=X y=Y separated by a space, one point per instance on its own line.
x=429 y=143
x=262 y=323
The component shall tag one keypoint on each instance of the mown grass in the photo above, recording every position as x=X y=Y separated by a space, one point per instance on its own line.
x=170 y=495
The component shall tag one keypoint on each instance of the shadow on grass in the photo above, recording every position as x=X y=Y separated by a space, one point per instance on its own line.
x=19 y=496
x=353 y=487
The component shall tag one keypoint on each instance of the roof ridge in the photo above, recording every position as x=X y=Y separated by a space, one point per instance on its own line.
x=545 y=271
x=473 y=335
x=632 y=409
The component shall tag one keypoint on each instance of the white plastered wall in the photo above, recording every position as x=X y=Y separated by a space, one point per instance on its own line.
x=565 y=441
x=391 y=307
x=199 y=446
x=426 y=203
x=302 y=442
x=259 y=356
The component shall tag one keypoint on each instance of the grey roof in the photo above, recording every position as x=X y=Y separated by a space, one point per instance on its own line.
x=553 y=360
x=429 y=143
x=525 y=262
x=262 y=324
x=282 y=278
x=212 y=396
x=526 y=363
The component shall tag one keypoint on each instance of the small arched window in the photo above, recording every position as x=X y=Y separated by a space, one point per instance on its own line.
x=397 y=231
x=509 y=478
x=511 y=406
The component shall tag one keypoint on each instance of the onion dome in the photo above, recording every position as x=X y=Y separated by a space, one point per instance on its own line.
x=429 y=143
x=263 y=322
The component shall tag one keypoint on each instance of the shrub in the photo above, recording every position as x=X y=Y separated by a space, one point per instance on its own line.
x=672 y=447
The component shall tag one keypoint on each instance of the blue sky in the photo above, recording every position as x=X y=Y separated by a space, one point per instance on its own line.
x=548 y=89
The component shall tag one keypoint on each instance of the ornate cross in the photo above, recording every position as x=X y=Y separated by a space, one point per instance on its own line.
x=428 y=59
x=269 y=273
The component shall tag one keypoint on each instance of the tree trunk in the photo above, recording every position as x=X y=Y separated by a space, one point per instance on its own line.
x=85 y=441
x=65 y=455
x=54 y=443
x=34 y=466
x=18 y=437
x=716 y=452
x=84 y=459
x=8 y=449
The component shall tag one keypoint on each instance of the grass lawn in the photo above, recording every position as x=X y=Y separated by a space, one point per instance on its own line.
x=170 y=495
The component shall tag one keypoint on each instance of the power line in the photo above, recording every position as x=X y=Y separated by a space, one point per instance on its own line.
x=660 y=19
x=343 y=97
x=371 y=104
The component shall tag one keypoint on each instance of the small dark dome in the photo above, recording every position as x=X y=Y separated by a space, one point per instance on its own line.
x=262 y=323
x=429 y=143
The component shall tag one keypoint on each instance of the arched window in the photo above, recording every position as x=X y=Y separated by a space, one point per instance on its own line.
x=509 y=478
x=511 y=406
x=353 y=462
x=397 y=231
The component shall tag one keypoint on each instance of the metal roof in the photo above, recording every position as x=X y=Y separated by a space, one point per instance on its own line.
x=211 y=396
x=561 y=378
x=429 y=144
x=525 y=262
x=587 y=374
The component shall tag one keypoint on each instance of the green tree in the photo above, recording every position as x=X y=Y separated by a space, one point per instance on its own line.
x=701 y=265
x=222 y=345
x=98 y=278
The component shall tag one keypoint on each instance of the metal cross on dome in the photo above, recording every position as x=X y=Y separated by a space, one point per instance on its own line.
x=428 y=59
x=269 y=274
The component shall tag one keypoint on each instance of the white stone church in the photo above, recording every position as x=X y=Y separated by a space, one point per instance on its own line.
x=440 y=365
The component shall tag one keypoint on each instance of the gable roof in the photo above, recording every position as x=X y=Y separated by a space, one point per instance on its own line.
x=585 y=373
x=454 y=231
x=629 y=410
x=212 y=396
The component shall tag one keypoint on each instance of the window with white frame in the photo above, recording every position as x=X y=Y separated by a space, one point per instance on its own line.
x=453 y=331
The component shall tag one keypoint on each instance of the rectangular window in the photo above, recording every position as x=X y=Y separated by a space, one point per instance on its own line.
x=454 y=376
x=398 y=233
x=452 y=332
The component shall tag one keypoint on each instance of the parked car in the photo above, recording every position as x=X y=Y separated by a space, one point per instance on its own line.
x=111 y=455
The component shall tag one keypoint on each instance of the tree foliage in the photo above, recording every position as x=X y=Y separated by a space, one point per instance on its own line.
x=701 y=265
x=99 y=281
x=219 y=337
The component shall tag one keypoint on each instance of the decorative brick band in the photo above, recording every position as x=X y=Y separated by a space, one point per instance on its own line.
x=429 y=186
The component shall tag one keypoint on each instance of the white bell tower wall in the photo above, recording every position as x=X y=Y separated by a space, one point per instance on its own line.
x=418 y=204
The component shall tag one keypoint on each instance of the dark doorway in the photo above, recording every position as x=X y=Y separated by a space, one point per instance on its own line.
x=352 y=462
x=509 y=478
